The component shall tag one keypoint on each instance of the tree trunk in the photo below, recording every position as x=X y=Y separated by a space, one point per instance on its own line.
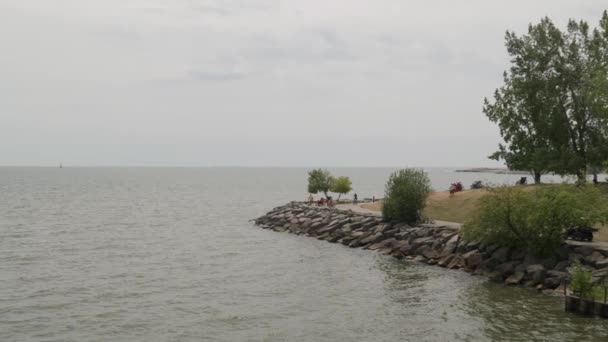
x=595 y=178
x=338 y=200
x=325 y=193
x=537 y=176
x=581 y=177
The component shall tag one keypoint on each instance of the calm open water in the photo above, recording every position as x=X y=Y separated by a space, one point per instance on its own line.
x=168 y=254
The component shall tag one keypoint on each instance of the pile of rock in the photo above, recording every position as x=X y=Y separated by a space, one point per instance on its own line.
x=435 y=245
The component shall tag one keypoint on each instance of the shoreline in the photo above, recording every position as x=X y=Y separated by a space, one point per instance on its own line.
x=498 y=171
x=437 y=244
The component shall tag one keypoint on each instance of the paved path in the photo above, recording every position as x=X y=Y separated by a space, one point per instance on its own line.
x=358 y=209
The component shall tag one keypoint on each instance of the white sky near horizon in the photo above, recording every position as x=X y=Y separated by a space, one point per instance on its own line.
x=257 y=83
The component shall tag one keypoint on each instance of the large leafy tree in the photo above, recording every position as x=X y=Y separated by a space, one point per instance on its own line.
x=320 y=180
x=552 y=110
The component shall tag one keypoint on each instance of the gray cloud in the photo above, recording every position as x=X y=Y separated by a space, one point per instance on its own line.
x=263 y=75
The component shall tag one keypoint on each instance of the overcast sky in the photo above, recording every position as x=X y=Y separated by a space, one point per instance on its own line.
x=257 y=83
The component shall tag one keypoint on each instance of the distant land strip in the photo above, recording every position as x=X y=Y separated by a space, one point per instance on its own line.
x=494 y=170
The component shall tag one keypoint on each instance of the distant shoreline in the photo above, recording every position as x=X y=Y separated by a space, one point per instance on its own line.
x=494 y=170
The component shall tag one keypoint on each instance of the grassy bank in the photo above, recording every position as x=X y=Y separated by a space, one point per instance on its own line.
x=440 y=206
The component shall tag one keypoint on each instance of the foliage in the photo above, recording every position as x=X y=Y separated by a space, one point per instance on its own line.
x=405 y=195
x=534 y=218
x=342 y=185
x=477 y=185
x=552 y=110
x=320 y=180
x=456 y=187
x=581 y=283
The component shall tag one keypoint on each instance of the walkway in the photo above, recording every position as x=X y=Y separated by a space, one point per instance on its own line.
x=358 y=209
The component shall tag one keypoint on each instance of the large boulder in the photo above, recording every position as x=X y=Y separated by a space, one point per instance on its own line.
x=372 y=238
x=594 y=258
x=562 y=265
x=515 y=278
x=428 y=252
x=473 y=259
x=407 y=249
x=506 y=269
x=457 y=262
x=602 y=263
x=552 y=282
x=501 y=254
x=445 y=261
x=519 y=254
x=450 y=246
x=584 y=250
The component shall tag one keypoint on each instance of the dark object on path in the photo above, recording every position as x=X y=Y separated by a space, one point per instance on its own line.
x=580 y=233
x=522 y=181
x=477 y=185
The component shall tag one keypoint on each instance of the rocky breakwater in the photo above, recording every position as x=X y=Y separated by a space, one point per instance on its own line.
x=436 y=245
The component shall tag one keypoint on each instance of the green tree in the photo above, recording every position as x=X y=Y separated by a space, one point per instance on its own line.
x=552 y=110
x=320 y=180
x=534 y=218
x=405 y=195
x=342 y=185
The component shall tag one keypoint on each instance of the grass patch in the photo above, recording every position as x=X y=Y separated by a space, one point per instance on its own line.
x=440 y=206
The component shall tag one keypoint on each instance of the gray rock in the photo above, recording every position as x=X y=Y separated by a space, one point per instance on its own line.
x=491 y=249
x=551 y=283
x=519 y=254
x=594 y=258
x=407 y=249
x=372 y=238
x=450 y=245
x=496 y=276
x=602 y=263
x=506 y=269
x=423 y=241
x=419 y=258
x=457 y=262
x=445 y=261
x=515 y=278
x=584 y=250
x=501 y=254
x=427 y=252
x=562 y=265
x=549 y=263
x=557 y=274
x=534 y=268
x=538 y=276
x=562 y=252
x=473 y=259
x=575 y=257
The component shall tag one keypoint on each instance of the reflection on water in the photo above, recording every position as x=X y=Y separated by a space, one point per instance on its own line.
x=520 y=314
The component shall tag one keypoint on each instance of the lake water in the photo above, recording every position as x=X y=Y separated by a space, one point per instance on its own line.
x=169 y=254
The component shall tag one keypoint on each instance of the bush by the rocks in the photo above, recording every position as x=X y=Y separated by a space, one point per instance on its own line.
x=581 y=283
x=534 y=218
x=405 y=195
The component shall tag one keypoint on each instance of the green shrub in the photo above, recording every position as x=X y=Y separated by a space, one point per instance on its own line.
x=535 y=218
x=405 y=195
x=581 y=283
